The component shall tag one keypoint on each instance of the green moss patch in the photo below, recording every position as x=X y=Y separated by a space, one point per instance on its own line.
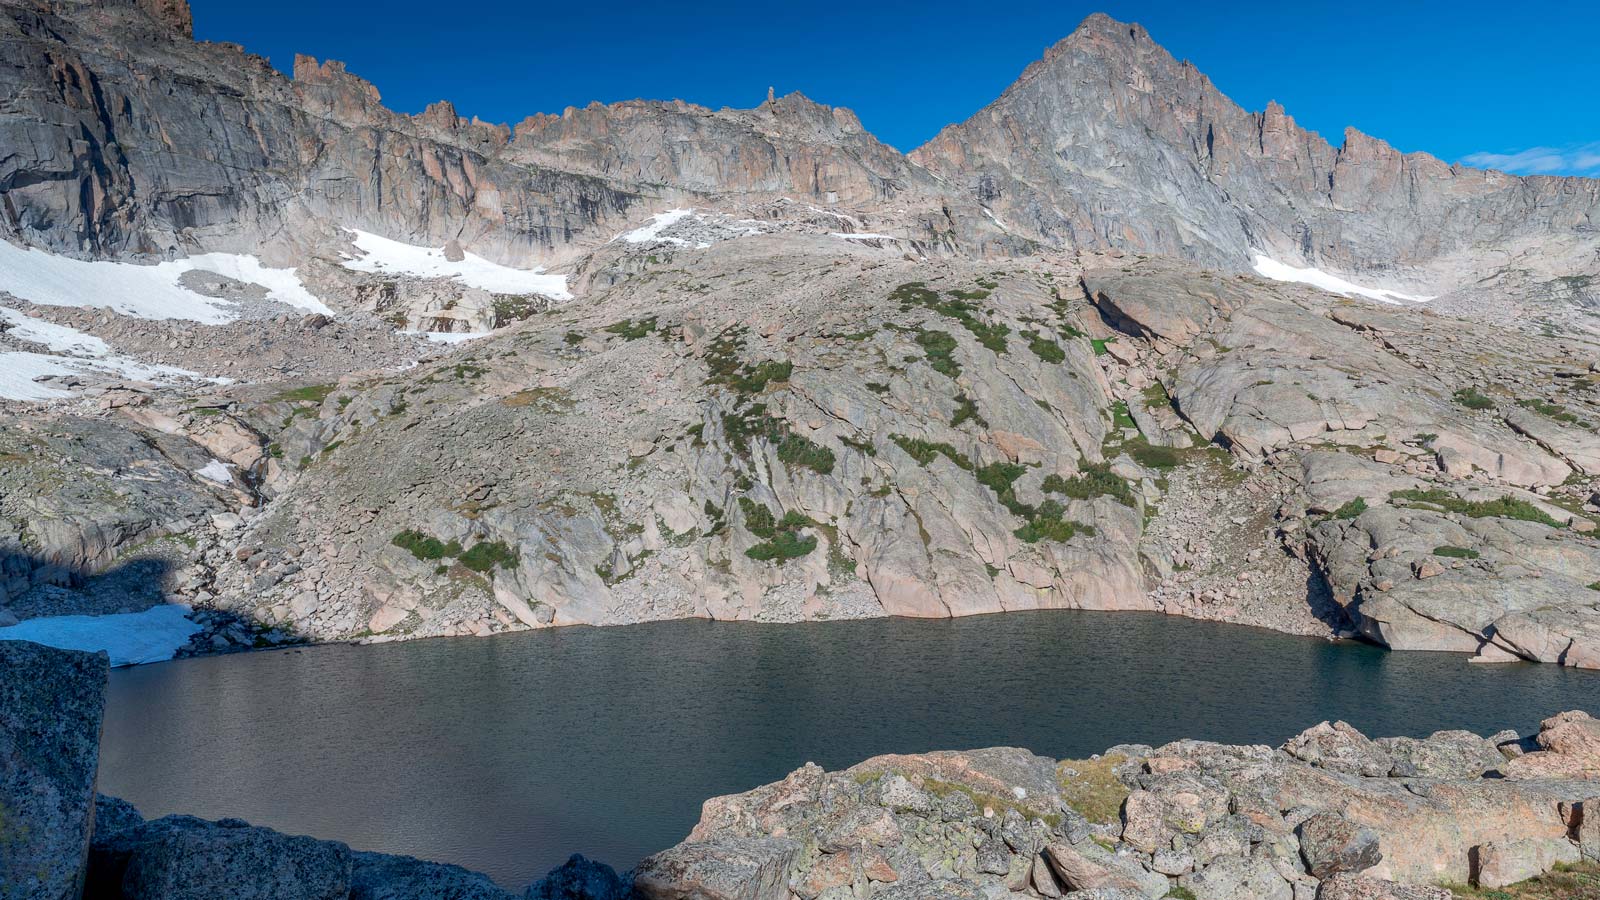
x=1501 y=507
x=631 y=330
x=1094 y=480
x=1092 y=789
x=1471 y=399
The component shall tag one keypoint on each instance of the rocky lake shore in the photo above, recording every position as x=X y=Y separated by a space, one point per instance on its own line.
x=1329 y=814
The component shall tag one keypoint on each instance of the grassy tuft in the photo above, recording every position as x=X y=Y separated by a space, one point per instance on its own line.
x=1094 y=792
x=1471 y=399
x=1501 y=507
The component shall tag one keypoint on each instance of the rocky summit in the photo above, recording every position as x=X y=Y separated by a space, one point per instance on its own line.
x=323 y=371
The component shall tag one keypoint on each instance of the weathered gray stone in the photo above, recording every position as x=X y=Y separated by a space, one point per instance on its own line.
x=1499 y=863
x=723 y=869
x=184 y=858
x=1339 y=747
x=52 y=703
x=579 y=879
x=1347 y=886
x=377 y=876
x=1331 y=843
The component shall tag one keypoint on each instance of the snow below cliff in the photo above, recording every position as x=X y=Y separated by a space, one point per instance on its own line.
x=383 y=256
x=1270 y=268
x=148 y=292
x=79 y=353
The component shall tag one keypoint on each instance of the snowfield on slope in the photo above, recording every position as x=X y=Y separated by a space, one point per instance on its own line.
x=1267 y=267
x=383 y=256
x=81 y=353
x=148 y=292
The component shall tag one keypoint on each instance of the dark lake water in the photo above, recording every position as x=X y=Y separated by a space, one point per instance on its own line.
x=506 y=754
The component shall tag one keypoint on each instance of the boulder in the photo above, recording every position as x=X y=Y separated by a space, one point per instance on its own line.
x=1339 y=747
x=1499 y=863
x=1090 y=867
x=52 y=703
x=579 y=878
x=185 y=858
x=946 y=889
x=1570 y=748
x=1172 y=803
x=1443 y=754
x=755 y=868
x=377 y=876
x=1348 y=886
x=1238 y=877
x=1331 y=843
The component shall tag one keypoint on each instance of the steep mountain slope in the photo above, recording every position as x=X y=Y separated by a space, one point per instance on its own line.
x=1110 y=142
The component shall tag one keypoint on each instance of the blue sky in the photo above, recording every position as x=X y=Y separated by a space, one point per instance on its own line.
x=1486 y=84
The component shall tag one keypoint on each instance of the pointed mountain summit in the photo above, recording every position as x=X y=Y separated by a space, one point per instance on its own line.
x=1110 y=142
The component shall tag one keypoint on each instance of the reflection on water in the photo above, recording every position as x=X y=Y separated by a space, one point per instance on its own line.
x=506 y=754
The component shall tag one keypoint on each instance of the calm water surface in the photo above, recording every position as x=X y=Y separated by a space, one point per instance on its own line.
x=506 y=754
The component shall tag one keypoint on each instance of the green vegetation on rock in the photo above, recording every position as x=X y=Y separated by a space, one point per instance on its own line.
x=1092 y=789
x=1351 y=509
x=1044 y=348
x=967 y=410
x=1500 y=507
x=956 y=305
x=1094 y=480
x=489 y=555
x=940 y=347
x=425 y=546
x=783 y=540
x=1455 y=552
x=1471 y=399
x=631 y=330
x=311 y=393
x=483 y=557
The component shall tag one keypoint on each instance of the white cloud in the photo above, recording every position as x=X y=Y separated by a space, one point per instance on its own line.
x=1583 y=159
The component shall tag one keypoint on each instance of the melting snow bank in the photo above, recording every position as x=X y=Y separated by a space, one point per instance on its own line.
x=385 y=257
x=148 y=292
x=863 y=236
x=449 y=337
x=658 y=223
x=84 y=353
x=687 y=228
x=128 y=638
x=1277 y=271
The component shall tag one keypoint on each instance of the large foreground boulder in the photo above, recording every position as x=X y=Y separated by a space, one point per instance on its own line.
x=378 y=876
x=579 y=878
x=185 y=858
x=52 y=704
x=754 y=868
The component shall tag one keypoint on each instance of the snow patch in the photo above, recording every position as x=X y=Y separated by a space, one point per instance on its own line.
x=386 y=257
x=1277 y=271
x=84 y=353
x=449 y=337
x=217 y=471
x=148 y=292
x=658 y=223
x=128 y=638
x=864 y=236
x=18 y=372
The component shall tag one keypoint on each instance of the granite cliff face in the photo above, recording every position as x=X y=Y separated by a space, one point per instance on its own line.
x=1110 y=142
x=782 y=371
